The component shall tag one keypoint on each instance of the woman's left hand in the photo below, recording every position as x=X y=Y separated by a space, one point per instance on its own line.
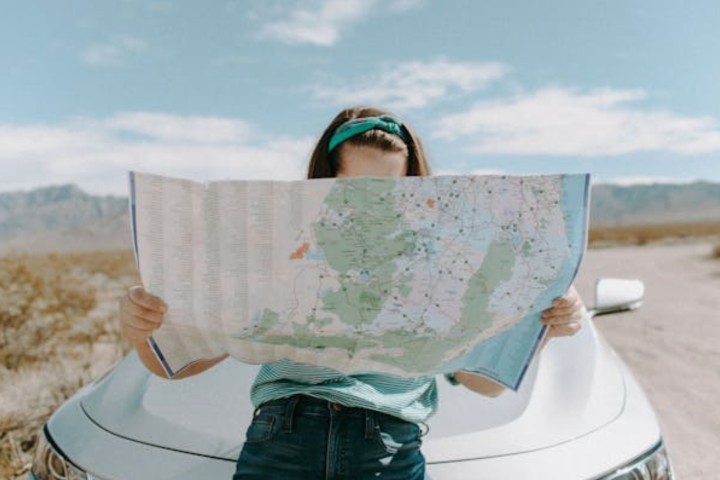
x=564 y=317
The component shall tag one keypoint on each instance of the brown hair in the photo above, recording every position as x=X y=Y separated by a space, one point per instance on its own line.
x=324 y=164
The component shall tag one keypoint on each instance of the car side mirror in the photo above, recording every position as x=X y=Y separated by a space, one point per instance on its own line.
x=614 y=295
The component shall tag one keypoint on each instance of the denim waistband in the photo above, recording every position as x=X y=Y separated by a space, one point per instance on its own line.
x=307 y=403
x=299 y=403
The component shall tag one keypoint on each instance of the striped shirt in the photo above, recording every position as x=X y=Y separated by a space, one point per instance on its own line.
x=413 y=399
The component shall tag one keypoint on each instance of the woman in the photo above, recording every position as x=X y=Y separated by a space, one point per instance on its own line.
x=313 y=422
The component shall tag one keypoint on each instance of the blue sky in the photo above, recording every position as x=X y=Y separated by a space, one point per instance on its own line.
x=626 y=90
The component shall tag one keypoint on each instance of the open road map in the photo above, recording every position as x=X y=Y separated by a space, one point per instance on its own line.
x=408 y=276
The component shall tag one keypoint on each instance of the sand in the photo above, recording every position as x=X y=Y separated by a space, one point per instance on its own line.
x=672 y=343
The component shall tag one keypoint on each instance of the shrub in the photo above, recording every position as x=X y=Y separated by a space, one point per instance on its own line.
x=58 y=331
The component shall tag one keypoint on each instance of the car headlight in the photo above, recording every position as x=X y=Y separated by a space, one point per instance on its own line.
x=652 y=465
x=49 y=464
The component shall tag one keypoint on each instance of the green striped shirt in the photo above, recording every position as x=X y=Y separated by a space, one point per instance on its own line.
x=413 y=399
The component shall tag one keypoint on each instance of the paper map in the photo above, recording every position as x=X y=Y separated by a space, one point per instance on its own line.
x=408 y=276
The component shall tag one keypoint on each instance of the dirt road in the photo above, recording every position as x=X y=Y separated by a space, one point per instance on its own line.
x=672 y=343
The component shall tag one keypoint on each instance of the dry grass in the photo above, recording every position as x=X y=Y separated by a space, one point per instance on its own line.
x=59 y=331
x=644 y=234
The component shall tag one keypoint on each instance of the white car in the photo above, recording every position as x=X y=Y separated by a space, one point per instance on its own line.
x=579 y=414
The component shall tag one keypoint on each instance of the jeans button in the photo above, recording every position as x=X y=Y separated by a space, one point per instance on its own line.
x=336 y=406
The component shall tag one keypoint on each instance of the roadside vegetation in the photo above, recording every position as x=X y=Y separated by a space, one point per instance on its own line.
x=59 y=331
x=644 y=234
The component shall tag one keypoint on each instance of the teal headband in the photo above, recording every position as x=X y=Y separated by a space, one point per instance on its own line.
x=357 y=126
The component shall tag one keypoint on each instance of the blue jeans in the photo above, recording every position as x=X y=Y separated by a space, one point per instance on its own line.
x=301 y=437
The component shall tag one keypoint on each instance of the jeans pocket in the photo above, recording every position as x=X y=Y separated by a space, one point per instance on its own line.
x=396 y=435
x=262 y=428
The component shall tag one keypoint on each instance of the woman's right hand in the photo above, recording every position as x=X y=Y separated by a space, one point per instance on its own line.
x=141 y=313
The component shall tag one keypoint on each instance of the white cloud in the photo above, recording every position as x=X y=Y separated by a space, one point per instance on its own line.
x=414 y=84
x=556 y=121
x=114 y=53
x=195 y=129
x=321 y=22
x=97 y=153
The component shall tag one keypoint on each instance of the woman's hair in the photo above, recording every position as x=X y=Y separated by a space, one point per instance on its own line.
x=324 y=164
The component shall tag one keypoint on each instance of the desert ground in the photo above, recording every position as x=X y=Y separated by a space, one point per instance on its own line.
x=60 y=330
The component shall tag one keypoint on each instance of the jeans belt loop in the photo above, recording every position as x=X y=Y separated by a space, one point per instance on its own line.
x=369 y=423
x=289 y=412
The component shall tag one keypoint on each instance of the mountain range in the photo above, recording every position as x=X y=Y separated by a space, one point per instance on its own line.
x=62 y=218
x=614 y=205
x=65 y=218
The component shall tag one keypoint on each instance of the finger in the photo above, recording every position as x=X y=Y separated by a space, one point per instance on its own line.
x=140 y=311
x=133 y=338
x=142 y=297
x=567 y=301
x=564 y=330
x=562 y=319
x=133 y=310
x=558 y=312
x=564 y=307
x=554 y=314
x=133 y=334
x=140 y=324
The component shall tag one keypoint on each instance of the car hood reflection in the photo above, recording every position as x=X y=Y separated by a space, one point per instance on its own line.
x=574 y=387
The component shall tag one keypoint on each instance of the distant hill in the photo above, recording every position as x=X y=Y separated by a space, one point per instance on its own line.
x=613 y=205
x=64 y=218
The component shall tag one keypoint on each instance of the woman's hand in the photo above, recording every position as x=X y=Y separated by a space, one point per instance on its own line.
x=141 y=313
x=564 y=317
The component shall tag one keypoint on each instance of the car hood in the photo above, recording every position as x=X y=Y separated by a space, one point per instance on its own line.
x=575 y=386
